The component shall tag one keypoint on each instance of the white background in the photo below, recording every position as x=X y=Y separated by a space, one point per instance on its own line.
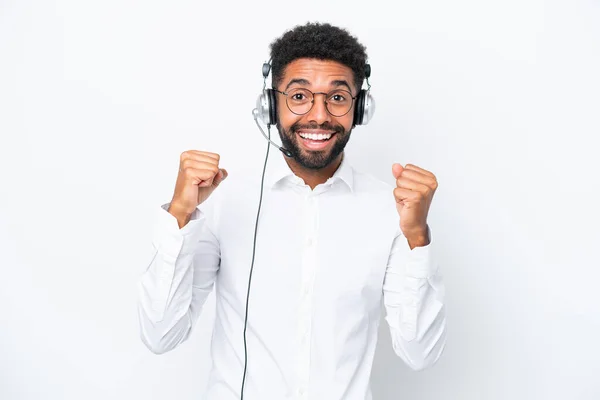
x=501 y=100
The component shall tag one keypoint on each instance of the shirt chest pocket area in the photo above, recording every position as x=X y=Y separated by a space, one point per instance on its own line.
x=356 y=265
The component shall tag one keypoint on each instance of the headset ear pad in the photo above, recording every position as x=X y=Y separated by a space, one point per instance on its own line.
x=272 y=104
x=359 y=108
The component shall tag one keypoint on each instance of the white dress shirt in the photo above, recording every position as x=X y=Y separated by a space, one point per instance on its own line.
x=325 y=261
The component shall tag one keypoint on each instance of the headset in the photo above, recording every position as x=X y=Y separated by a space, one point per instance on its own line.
x=266 y=105
x=266 y=112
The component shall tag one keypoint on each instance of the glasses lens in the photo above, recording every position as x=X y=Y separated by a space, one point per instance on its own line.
x=299 y=101
x=339 y=102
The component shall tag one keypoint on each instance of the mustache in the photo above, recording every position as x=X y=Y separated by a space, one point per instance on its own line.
x=325 y=126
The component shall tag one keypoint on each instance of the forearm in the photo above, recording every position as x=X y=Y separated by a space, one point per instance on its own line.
x=418 y=328
x=177 y=281
x=164 y=299
x=414 y=302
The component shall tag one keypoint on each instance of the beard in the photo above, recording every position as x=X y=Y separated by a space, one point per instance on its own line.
x=314 y=159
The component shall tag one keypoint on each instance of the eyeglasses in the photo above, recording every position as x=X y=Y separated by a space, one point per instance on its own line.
x=300 y=101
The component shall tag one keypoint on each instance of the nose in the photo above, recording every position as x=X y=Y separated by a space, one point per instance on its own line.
x=318 y=113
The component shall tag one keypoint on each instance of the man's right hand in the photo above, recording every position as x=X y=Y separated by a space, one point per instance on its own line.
x=199 y=175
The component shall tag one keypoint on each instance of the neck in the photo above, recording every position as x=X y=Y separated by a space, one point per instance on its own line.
x=314 y=177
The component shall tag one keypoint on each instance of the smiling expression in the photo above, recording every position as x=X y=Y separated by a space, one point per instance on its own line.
x=317 y=138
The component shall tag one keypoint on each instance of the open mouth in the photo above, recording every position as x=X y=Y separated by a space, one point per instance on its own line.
x=315 y=140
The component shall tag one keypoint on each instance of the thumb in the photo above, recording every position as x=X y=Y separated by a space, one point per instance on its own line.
x=220 y=177
x=397 y=170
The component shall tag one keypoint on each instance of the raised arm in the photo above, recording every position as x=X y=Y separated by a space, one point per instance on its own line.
x=186 y=256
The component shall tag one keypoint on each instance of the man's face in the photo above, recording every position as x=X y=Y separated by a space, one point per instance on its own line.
x=316 y=138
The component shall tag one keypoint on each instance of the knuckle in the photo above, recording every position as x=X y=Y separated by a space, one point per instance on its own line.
x=186 y=164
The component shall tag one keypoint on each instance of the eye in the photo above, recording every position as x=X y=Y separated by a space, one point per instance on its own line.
x=340 y=97
x=298 y=96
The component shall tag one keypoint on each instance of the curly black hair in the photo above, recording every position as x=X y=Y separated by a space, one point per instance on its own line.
x=321 y=41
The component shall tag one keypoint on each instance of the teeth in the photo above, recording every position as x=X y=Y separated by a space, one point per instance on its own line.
x=316 y=136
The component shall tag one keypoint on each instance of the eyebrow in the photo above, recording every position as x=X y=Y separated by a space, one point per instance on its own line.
x=297 y=80
x=305 y=82
x=341 y=83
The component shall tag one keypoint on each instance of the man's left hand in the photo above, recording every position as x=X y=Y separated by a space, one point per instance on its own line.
x=414 y=192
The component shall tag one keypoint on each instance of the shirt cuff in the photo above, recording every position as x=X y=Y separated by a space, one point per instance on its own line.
x=169 y=239
x=420 y=262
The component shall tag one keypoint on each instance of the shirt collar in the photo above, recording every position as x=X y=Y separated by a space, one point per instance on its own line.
x=278 y=171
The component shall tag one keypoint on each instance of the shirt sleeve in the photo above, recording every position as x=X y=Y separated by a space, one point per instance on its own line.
x=413 y=295
x=178 y=279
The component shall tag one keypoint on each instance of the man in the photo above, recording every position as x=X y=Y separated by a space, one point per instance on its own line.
x=298 y=301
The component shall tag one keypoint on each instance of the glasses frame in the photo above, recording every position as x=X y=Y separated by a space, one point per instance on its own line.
x=312 y=102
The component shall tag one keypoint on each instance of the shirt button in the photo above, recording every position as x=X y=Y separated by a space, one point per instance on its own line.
x=309 y=241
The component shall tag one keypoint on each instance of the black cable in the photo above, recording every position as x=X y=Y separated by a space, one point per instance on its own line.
x=262 y=181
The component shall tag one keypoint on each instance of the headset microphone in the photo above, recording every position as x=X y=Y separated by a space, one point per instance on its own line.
x=284 y=151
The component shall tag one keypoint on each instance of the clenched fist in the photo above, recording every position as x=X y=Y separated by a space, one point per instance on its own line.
x=199 y=175
x=414 y=192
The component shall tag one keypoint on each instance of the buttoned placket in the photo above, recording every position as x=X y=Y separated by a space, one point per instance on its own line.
x=309 y=267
